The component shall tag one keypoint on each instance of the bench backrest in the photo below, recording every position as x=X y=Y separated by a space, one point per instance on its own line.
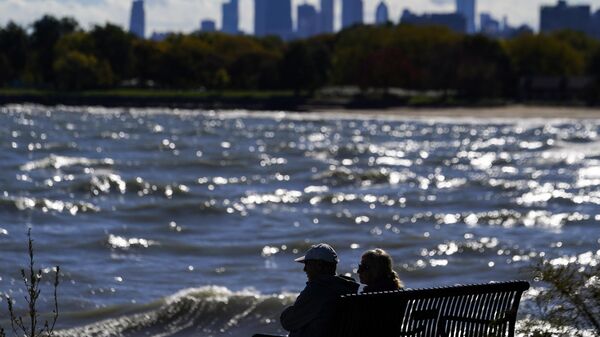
x=484 y=310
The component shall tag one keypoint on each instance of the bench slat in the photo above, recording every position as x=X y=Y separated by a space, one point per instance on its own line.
x=481 y=310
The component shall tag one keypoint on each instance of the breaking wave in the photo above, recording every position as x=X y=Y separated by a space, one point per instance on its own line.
x=47 y=205
x=57 y=162
x=204 y=311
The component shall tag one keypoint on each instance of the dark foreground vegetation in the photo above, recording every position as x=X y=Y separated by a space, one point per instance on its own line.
x=569 y=304
x=30 y=324
x=56 y=55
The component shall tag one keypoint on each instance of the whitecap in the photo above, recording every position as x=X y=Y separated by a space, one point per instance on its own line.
x=279 y=196
x=57 y=162
x=124 y=243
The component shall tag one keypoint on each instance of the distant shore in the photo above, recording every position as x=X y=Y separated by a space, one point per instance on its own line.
x=416 y=107
x=508 y=111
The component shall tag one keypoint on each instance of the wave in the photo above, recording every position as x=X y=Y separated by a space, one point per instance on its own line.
x=57 y=162
x=204 y=311
x=203 y=206
x=102 y=182
x=341 y=176
x=45 y=205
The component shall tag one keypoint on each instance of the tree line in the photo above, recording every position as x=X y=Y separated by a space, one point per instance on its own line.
x=58 y=54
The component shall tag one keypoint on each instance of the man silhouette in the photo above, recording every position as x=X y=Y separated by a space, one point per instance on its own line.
x=310 y=314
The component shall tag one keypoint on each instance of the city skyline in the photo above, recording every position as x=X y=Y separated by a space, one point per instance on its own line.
x=182 y=15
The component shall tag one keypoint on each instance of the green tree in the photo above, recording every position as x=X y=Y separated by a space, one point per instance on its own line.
x=255 y=69
x=46 y=33
x=579 y=41
x=147 y=56
x=76 y=41
x=14 y=44
x=114 y=45
x=412 y=57
x=221 y=79
x=299 y=68
x=189 y=62
x=248 y=62
x=483 y=69
x=78 y=71
x=5 y=70
x=542 y=55
x=433 y=52
x=321 y=51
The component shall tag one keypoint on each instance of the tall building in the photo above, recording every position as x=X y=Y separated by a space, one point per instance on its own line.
x=563 y=16
x=231 y=17
x=453 y=21
x=382 y=15
x=595 y=25
x=260 y=22
x=352 y=12
x=160 y=36
x=137 y=22
x=308 y=21
x=489 y=26
x=326 y=16
x=468 y=10
x=273 y=17
x=208 y=26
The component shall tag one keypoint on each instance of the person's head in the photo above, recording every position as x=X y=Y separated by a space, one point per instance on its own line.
x=377 y=266
x=320 y=259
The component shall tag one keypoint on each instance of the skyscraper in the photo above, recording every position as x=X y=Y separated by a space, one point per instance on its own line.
x=326 y=16
x=308 y=21
x=467 y=9
x=230 y=16
x=260 y=12
x=208 y=26
x=273 y=17
x=563 y=16
x=382 y=15
x=352 y=12
x=489 y=25
x=137 y=22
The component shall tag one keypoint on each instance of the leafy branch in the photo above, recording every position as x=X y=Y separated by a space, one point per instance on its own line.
x=570 y=303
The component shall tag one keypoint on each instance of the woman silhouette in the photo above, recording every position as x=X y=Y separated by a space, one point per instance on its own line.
x=375 y=271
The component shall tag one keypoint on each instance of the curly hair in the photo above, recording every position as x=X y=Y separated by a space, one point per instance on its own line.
x=382 y=264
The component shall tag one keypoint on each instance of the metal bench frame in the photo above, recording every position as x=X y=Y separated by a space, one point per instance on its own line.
x=479 y=310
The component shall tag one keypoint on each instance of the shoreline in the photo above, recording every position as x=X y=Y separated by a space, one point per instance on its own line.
x=508 y=111
x=282 y=102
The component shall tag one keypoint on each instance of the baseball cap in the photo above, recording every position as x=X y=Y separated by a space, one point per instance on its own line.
x=322 y=252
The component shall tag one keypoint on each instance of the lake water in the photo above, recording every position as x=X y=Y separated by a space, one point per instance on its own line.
x=186 y=223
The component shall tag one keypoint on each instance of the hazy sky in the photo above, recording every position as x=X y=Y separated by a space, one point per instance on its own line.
x=185 y=15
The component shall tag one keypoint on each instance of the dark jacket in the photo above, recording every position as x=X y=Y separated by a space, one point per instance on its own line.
x=313 y=309
x=383 y=285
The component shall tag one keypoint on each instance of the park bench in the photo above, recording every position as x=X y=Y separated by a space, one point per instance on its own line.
x=481 y=310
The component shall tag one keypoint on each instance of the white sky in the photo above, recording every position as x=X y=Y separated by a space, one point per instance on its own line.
x=185 y=15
